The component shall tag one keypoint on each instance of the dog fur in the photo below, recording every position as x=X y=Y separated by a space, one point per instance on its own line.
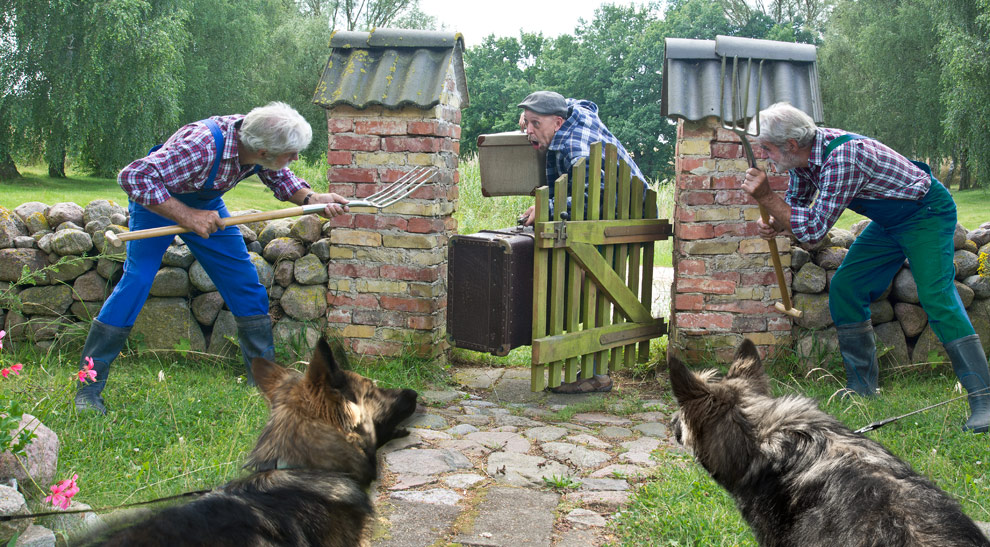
x=311 y=468
x=798 y=475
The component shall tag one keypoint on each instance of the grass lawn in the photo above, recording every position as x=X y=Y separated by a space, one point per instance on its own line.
x=176 y=422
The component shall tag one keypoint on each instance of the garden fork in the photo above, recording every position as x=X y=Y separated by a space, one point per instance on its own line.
x=742 y=105
x=399 y=189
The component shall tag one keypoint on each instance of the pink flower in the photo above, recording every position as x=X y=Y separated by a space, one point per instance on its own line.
x=2 y=334
x=5 y=372
x=62 y=492
x=16 y=368
x=87 y=374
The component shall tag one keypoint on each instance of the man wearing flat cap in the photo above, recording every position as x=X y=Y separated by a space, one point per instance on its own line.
x=565 y=129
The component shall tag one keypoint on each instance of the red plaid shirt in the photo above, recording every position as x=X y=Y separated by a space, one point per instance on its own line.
x=183 y=164
x=860 y=168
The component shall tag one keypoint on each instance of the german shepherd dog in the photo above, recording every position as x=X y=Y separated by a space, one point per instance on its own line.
x=800 y=477
x=311 y=468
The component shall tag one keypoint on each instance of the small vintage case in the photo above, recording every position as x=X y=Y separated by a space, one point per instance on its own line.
x=490 y=290
x=510 y=165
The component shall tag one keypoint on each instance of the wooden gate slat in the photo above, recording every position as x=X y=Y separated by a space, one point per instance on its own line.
x=590 y=303
x=541 y=266
x=650 y=211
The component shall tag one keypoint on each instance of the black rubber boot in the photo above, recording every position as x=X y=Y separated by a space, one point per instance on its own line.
x=859 y=357
x=254 y=332
x=103 y=345
x=970 y=365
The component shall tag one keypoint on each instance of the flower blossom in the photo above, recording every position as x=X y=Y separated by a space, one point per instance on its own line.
x=2 y=334
x=87 y=374
x=62 y=492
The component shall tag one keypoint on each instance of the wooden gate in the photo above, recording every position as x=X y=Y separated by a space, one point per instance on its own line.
x=593 y=274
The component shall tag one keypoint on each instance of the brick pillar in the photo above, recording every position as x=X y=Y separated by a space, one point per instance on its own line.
x=724 y=284
x=388 y=269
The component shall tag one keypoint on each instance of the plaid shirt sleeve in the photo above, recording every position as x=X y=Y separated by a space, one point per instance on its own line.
x=189 y=154
x=840 y=180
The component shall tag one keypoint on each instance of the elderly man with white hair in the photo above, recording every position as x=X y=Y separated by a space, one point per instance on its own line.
x=182 y=182
x=913 y=217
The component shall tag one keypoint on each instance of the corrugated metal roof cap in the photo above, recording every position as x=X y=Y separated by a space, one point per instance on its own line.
x=392 y=68
x=698 y=77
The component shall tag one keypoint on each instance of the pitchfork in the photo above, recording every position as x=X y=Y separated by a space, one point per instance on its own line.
x=743 y=131
x=399 y=189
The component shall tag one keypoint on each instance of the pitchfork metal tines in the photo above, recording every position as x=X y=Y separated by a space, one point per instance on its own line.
x=399 y=189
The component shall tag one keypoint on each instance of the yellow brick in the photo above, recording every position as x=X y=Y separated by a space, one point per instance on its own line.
x=340 y=253
x=378 y=286
x=344 y=111
x=428 y=290
x=411 y=241
x=764 y=338
x=732 y=166
x=716 y=213
x=417 y=158
x=747 y=293
x=373 y=254
x=358 y=331
x=412 y=208
x=371 y=158
x=427 y=258
x=340 y=236
x=695 y=147
x=751 y=213
x=339 y=285
x=754 y=246
x=709 y=247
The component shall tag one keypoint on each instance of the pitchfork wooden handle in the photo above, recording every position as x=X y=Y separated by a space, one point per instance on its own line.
x=118 y=239
x=785 y=307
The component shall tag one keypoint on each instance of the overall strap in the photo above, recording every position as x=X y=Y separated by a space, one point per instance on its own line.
x=838 y=141
x=218 y=140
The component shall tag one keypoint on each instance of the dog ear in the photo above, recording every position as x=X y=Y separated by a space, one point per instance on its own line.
x=747 y=365
x=686 y=386
x=267 y=375
x=324 y=367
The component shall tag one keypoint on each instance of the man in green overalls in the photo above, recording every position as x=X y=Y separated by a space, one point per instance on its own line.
x=913 y=217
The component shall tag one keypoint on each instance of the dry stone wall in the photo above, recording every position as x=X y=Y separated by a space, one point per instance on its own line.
x=291 y=257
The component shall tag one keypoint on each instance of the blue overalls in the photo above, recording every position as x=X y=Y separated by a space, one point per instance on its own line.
x=223 y=256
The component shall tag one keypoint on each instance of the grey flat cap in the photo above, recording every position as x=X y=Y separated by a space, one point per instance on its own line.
x=546 y=102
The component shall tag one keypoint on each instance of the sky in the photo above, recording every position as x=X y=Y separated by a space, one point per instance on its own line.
x=476 y=19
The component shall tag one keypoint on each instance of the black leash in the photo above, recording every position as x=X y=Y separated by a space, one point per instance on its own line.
x=881 y=423
x=197 y=493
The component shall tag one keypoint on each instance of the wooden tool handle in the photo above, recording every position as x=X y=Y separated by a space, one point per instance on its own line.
x=784 y=307
x=119 y=239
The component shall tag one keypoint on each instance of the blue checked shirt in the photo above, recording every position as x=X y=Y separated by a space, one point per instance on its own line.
x=860 y=168
x=573 y=141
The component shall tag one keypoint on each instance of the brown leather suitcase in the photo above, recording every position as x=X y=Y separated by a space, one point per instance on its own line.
x=490 y=290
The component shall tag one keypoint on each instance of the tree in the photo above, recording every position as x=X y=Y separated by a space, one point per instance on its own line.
x=865 y=92
x=9 y=75
x=495 y=75
x=364 y=14
x=963 y=30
